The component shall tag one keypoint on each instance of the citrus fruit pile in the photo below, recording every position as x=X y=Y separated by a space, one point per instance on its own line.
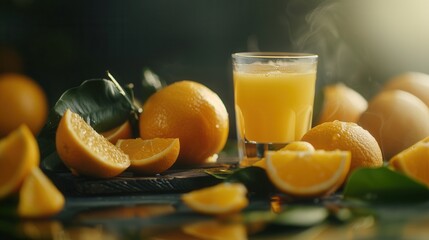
x=352 y=133
x=186 y=123
x=183 y=123
x=396 y=118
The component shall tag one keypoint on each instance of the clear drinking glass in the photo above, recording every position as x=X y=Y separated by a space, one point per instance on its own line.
x=274 y=96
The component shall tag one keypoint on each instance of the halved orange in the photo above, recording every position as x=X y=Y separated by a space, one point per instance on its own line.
x=413 y=161
x=85 y=151
x=308 y=173
x=214 y=229
x=151 y=156
x=19 y=153
x=123 y=131
x=221 y=199
x=39 y=197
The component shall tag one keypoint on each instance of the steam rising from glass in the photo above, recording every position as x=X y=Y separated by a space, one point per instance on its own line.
x=363 y=42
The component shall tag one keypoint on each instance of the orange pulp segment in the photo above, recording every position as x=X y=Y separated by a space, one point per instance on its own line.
x=221 y=199
x=19 y=153
x=39 y=197
x=123 y=131
x=308 y=173
x=151 y=156
x=413 y=161
x=85 y=151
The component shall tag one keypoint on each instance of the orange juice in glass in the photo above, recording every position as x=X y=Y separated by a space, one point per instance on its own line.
x=274 y=96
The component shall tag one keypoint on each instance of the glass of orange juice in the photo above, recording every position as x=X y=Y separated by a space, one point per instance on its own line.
x=274 y=96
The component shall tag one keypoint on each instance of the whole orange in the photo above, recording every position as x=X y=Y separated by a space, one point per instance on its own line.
x=341 y=103
x=347 y=136
x=191 y=112
x=22 y=101
x=397 y=119
x=416 y=83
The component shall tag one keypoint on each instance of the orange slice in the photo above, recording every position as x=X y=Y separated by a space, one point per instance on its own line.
x=150 y=156
x=308 y=173
x=215 y=230
x=85 y=151
x=124 y=131
x=223 y=198
x=413 y=161
x=39 y=197
x=19 y=153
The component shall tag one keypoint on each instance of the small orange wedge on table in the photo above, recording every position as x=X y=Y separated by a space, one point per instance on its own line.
x=123 y=131
x=221 y=199
x=85 y=151
x=39 y=197
x=308 y=173
x=150 y=157
x=19 y=154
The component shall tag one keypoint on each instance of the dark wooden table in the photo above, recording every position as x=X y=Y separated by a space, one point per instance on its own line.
x=158 y=213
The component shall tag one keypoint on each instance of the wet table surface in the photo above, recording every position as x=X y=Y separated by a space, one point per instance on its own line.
x=162 y=215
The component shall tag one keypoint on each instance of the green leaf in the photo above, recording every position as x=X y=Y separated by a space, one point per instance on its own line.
x=98 y=101
x=382 y=185
x=150 y=83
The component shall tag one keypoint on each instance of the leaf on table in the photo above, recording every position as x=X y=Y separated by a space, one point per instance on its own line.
x=382 y=185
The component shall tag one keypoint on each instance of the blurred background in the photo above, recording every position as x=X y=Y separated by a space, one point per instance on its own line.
x=62 y=43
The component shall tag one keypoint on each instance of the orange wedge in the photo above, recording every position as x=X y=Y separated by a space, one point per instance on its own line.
x=123 y=131
x=308 y=173
x=19 y=153
x=221 y=199
x=85 y=151
x=39 y=197
x=413 y=161
x=216 y=230
x=152 y=156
